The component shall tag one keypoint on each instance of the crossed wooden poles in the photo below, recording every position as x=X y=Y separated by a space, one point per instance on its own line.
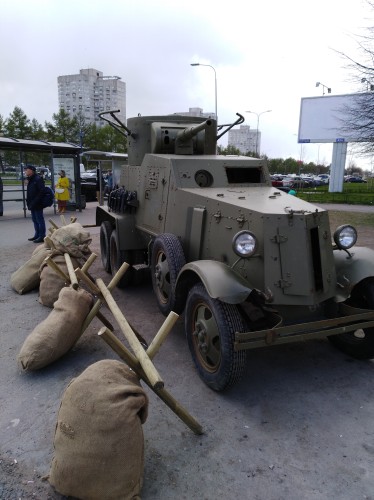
x=140 y=360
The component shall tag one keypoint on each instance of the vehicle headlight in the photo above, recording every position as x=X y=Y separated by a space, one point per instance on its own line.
x=244 y=244
x=345 y=236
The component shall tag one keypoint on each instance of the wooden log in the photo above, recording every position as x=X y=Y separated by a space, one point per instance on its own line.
x=139 y=352
x=73 y=219
x=91 y=259
x=162 y=334
x=63 y=220
x=162 y=393
x=96 y=307
x=104 y=320
x=117 y=277
x=72 y=275
x=53 y=223
x=83 y=276
x=57 y=269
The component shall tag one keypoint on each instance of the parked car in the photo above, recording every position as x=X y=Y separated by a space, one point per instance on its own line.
x=89 y=174
x=325 y=178
x=44 y=172
x=317 y=181
x=353 y=178
x=295 y=181
x=276 y=180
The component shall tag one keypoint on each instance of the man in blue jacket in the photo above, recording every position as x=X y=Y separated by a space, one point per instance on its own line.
x=35 y=191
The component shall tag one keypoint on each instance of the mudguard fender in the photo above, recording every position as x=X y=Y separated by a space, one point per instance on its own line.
x=353 y=268
x=220 y=281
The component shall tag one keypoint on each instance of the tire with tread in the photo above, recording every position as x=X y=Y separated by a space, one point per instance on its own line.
x=117 y=258
x=167 y=260
x=105 y=232
x=360 y=343
x=210 y=327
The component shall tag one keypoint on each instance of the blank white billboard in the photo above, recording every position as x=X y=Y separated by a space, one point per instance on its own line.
x=325 y=118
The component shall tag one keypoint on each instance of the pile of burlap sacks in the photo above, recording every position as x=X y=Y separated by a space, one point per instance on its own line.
x=58 y=333
x=98 y=442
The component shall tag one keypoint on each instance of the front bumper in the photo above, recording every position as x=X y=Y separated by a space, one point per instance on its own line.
x=353 y=319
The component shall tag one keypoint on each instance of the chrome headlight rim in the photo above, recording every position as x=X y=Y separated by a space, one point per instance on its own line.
x=238 y=241
x=349 y=239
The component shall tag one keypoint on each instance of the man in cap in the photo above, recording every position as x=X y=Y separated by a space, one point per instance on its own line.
x=35 y=190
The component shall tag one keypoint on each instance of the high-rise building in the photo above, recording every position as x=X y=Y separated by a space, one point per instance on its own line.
x=196 y=112
x=245 y=139
x=89 y=93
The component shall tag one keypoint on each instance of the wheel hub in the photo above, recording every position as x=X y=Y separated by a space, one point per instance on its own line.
x=201 y=336
x=159 y=276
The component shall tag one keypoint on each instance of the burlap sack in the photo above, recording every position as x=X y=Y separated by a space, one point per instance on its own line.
x=72 y=239
x=39 y=247
x=55 y=335
x=51 y=282
x=27 y=278
x=99 y=442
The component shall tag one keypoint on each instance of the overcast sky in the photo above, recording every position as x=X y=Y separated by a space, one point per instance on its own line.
x=267 y=54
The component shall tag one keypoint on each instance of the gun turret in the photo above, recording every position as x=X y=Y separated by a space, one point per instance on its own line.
x=171 y=134
x=189 y=132
x=184 y=138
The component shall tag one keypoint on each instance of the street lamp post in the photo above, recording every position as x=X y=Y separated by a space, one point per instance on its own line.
x=258 y=124
x=215 y=84
x=323 y=88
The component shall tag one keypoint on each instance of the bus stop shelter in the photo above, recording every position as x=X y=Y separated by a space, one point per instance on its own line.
x=65 y=156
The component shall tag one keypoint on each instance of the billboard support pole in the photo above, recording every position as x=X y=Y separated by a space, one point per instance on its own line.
x=339 y=155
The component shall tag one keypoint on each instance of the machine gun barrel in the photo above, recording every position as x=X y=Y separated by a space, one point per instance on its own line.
x=189 y=132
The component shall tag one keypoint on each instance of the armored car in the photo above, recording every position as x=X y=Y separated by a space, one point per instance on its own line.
x=248 y=264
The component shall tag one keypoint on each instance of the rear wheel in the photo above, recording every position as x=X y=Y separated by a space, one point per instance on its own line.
x=210 y=328
x=117 y=258
x=166 y=261
x=360 y=343
x=105 y=232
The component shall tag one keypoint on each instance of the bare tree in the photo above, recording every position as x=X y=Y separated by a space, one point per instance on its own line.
x=359 y=117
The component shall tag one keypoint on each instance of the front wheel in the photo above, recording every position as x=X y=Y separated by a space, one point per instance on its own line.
x=360 y=343
x=210 y=328
x=167 y=259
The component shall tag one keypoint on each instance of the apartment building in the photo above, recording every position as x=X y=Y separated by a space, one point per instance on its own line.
x=196 y=112
x=89 y=93
x=245 y=139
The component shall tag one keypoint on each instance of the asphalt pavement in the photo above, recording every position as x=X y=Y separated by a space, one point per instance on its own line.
x=299 y=426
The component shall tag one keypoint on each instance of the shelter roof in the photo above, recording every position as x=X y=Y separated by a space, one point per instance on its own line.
x=29 y=145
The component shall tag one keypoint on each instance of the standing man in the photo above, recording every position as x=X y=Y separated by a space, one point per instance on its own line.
x=35 y=190
x=1 y=196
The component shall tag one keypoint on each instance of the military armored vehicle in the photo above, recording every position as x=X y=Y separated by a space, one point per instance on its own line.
x=249 y=265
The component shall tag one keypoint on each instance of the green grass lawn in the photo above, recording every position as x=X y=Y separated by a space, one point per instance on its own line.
x=354 y=194
x=353 y=218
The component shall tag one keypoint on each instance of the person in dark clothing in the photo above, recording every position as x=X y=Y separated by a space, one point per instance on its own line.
x=35 y=190
x=1 y=197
